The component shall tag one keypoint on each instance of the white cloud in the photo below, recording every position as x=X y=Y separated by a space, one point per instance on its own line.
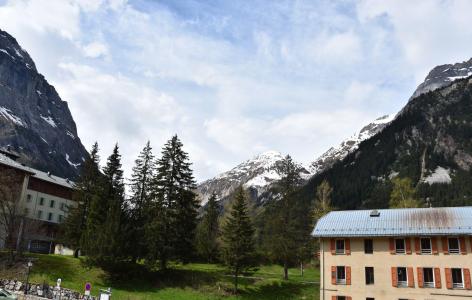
x=95 y=49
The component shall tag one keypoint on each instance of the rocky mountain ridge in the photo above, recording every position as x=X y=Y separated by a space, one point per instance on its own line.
x=34 y=121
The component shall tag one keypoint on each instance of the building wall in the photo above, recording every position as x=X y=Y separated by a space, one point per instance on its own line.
x=32 y=203
x=382 y=260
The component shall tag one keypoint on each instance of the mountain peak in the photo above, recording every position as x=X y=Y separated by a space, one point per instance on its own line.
x=10 y=47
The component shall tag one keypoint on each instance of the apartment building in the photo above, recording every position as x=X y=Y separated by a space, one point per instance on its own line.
x=414 y=254
x=43 y=204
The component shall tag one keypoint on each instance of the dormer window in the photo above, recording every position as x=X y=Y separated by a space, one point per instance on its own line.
x=400 y=246
x=340 y=247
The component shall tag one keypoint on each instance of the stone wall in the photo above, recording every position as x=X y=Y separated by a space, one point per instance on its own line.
x=41 y=291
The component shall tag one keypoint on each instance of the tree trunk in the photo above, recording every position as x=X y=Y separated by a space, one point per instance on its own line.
x=236 y=282
x=285 y=271
x=301 y=268
x=76 y=253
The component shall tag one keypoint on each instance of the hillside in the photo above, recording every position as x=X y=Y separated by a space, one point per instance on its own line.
x=429 y=141
x=34 y=121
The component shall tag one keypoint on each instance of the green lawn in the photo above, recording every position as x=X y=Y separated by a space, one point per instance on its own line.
x=191 y=281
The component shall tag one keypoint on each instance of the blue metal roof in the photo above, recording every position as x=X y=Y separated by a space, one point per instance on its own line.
x=396 y=222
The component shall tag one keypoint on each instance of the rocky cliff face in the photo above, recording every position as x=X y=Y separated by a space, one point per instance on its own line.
x=34 y=121
x=443 y=75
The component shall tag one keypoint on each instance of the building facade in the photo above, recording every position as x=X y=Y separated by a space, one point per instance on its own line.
x=42 y=204
x=423 y=253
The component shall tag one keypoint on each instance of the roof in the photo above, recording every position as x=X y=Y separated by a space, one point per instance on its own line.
x=44 y=176
x=396 y=222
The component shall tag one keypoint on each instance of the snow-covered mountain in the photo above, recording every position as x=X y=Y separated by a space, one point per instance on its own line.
x=443 y=75
x=347 y=146
x=255 y=174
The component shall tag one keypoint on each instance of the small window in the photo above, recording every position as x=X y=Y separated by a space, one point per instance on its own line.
x=453 y=244
x=26 y=211
x=402 y=277
x=51 y=204
x=369 y=275
x=28 y=198
x=368 y=246
x=426 y=246
x=50 y=216
x=341 y=275
x=428 y=277
x=63 y=206
x=341 y=298
x=457 y=281
x=369 y=298
x=60 y=218
x=41 y=201
x=340 y=247
x=40 y=214
x=400 y=246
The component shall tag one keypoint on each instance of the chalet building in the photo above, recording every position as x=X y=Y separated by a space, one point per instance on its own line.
x=415 y=254
x=43 y=202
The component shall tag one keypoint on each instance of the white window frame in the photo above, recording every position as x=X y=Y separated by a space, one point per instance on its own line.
x=458 y=251
x=456 y=285
x=404 y=246
x=402 y=284
x=338 y=280
x=426 y=251
x=338 y=251
x=430 y=284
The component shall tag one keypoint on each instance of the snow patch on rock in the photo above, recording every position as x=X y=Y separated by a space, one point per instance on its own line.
x=71 y=163
x=49 y=120
x=440 y=175
x=7 y=114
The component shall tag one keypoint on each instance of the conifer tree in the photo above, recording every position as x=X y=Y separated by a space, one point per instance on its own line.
x=85 y=190
x=208 y=231
x=140 y=200
x=285 y=227
x=174 y=219
x=238 y=238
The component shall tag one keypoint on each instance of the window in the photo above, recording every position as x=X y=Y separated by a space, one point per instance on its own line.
x=340 y=275
x=339 y=246
x=369 y=275
x=60 y=218
x=453 y=244
x=50 y=217
x=26 y=211
x=63 y=206
x=41 y=201
x=428 y=277
x=402 y=277
x=40 y=214
x=341 y=298
x=369 y=298
x=28 y=198
x=457 y=282
x=399 y=246
x=51 y=204
x=368 y=246
x=426 y=246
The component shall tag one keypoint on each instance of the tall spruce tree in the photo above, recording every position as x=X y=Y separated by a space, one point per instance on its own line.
x=286 y=229
x=85 y=190
x=140 y=200
x=171 y=232
x=208 y=231
x=238 y=238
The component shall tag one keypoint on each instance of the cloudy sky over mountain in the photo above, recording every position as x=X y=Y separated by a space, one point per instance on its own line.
x=235 y=78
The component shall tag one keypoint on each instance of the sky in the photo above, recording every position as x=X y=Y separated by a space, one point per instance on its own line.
x=234 y=78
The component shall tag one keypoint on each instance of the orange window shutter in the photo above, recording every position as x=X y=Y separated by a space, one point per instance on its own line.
x=334 y=298
x=408 y=245
x=333 y=275
x=434 y=243
x=420 y=277
x=467 y=279
x=417 y=246
x=411 y=278
x=445 y=247
x=348 y=246
x=392 y=245
x=448 y=278
x=463 y=245
x=437 y=278
x=332 y=246
x=348 y=275
x=348 y=298
x=394 y=277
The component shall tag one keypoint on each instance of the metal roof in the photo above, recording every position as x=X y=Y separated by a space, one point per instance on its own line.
x=396 y=222
x=44 y=176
